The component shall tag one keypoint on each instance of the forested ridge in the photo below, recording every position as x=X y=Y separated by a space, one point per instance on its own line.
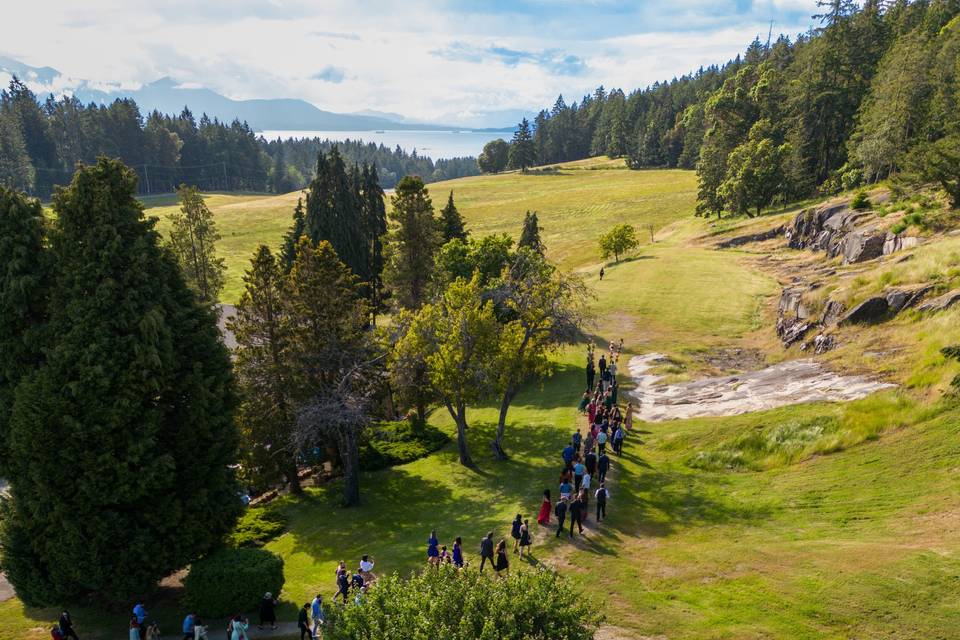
x=872 y=91
x=42 y=141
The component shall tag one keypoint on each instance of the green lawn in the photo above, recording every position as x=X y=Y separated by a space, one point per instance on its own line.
x=858 y=543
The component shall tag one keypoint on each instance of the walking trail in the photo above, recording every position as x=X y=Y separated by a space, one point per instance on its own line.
x=791 y=382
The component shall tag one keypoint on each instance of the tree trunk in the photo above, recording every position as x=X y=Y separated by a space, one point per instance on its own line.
x=293 y=479
x=497 y=444
x=459 y=416
x=350 y=457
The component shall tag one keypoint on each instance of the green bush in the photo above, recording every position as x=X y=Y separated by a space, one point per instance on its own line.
x=860 y=201
x=392 y=443
x=257 y=526
x=231 y=581
x=467 y=605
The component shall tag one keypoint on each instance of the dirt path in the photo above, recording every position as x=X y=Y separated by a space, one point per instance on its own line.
x=787 y=383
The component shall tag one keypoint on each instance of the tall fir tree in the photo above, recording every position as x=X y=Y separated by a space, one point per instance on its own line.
x=291 y=238
x=374 y=230
x=530 y=235
x=412 y=244
x=522 y=151
x=267 y=410
x=451 y=221
x=24 y=281
x=136 y=392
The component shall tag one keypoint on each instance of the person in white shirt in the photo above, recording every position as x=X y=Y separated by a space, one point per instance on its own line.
x=602 y=494
x=366 y=569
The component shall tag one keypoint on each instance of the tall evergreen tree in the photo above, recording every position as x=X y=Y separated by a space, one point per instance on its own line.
x=136 y=383
x=292 y=237
x=193 y=240
x=23 y=298
x=267 y=415
x=16 y=170
x=530 y=235
x=412 y=243
x=522 y=152
x=374 y=230
x=451 y=221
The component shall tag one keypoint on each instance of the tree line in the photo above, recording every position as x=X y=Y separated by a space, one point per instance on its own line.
x=870 y=93
x=41 y=143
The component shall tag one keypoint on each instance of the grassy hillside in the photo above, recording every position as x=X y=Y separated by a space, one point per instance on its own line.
x=851 y=538
x=575 y=205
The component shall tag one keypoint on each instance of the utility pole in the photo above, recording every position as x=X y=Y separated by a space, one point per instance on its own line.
x=225 y=187
x=146 y=178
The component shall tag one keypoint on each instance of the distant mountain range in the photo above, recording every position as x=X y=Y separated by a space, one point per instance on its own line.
x=278 y=114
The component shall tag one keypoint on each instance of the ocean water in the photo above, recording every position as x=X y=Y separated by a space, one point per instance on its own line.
x=433 y=144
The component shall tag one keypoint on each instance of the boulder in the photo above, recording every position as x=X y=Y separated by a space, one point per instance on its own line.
x=791 y=330
x=791 y=303
x=823 y=343
x=870 y=310
x=941 y=303
x=832 y=313
x=753 y=237
x=900 y=299
x=859 y=246
x=893 y=243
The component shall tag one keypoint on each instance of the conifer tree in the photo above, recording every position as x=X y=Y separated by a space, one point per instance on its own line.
x=452 y=221
x=412 y=243
x=16 y=171
x=23 y=298
x=267 y=411
x=375 y=228
x=136 y=392
x=530 y=235
x=193 y=239
x=289 y=251
x=522 y=151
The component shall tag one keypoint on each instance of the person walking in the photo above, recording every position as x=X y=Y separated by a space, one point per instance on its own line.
x=566 y=490
x=189 y=626
x=525 y=540
x=628 y=417
x=568 y=453
x=433 y=550
x=240 y=627
x=577 y=440
x=576 y=516
x=303 y=621
x=601 y=280
x=503 y=563
x=591 y=373
x=486 y=551
x=561 y=513
x=458 y=553
x=588 y=442
x=268 y=611
x=343 y=585
x=543 y=518
x=366 y=569
x=602 y=365
x=66 y=626
x=618 y=440
x=602 y=442
x=602 y=495
x=586 y=482
x=515 y=531
x=316 y=612
x=578 y=470
x=590 y=462
x=603 y=465
x=140 y=613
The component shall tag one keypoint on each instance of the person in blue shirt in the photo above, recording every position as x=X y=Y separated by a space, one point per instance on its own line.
x=433 y=553
x=316 y=611
x=576 y=440
x=189 y=626
x=458 y=553
x=568 y=453
x=565 y=490
x=578 y=470
x=140 y=613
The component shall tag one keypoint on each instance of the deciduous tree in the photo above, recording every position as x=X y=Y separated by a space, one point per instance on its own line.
x=193 y=240
x=619 y=240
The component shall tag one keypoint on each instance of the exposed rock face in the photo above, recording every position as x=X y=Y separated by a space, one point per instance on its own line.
x=870 y=310
x=753 y=237
x=841 y=231
x=941 y=303
x=792 y=316
x=832 y=313
x=823 y=343
x=900 y=299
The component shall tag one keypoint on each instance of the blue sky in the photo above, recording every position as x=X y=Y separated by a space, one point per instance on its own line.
x=430 y=60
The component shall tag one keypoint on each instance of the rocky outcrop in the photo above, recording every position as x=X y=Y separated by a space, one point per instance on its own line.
x=900 y=299
x=941 y=303
x=793 y=317
x=870 y=310
x=761 y=236
x=836 y=229
x=832 y=313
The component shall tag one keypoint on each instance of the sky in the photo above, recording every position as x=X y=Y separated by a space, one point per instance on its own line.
x=428 y=60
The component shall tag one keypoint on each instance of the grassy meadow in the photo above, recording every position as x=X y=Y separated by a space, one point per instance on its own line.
x=843 y=520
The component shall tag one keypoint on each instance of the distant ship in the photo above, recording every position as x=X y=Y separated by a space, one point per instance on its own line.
x=380 y=131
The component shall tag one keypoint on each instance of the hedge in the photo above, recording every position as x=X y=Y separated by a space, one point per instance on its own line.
x=231 y=581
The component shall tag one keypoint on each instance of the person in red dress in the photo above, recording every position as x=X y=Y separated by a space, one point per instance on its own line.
x=543 y=517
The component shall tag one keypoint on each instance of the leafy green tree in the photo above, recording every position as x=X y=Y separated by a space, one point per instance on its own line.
x=494 y=157
x=24 y=281
x=530 y=235
x=136 y=387
x=267 y=415
x=487 y=257
x=618 y=241
x=755 y=174
x=193 y=239
x=522 y=152
x=466 y=605
x=458 y=339
x=412 y=243
x=544 y=310
x=452 y=221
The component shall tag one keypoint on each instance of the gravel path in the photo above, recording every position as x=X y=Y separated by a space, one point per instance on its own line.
x=792 y=382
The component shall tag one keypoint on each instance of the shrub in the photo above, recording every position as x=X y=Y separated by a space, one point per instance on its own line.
x=392 y=443
x=860 y=201
x=257 y=526
x=230 y=581
x=466 y=605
